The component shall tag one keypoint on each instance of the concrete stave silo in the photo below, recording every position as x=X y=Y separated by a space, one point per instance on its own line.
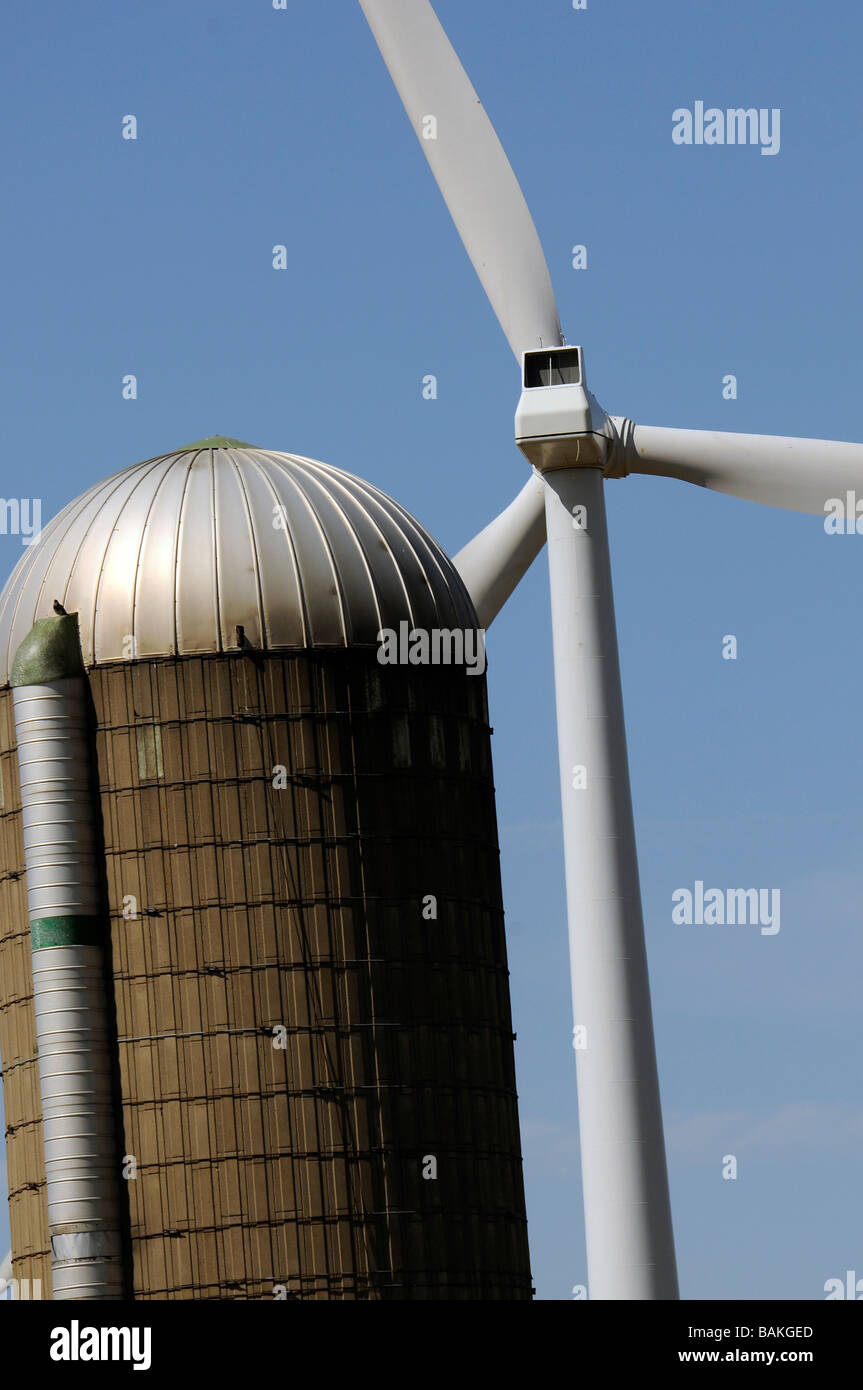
x=301 y=865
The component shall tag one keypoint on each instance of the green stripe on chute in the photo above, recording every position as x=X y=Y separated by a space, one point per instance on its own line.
x=66 y=931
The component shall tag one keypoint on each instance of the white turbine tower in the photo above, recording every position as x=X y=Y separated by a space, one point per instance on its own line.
x=574 y=445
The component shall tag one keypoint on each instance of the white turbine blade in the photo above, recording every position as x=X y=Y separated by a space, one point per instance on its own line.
x=5 y=1269
x=801 y=475
x=471 y=169
x=492 y=564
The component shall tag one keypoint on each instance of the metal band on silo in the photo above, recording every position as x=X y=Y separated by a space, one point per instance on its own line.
x=68 y=931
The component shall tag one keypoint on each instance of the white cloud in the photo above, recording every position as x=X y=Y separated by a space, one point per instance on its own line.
x=551 y=1149
x=801 y=1126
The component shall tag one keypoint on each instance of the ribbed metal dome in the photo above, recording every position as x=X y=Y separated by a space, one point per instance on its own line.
x=169 y=556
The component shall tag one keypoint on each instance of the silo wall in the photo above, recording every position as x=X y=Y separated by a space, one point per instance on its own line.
x=314 y=1029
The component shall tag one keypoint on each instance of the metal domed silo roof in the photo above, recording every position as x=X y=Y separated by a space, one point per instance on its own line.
x=169 y=556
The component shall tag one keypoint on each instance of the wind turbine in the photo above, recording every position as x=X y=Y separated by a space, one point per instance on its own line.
x=573 y=446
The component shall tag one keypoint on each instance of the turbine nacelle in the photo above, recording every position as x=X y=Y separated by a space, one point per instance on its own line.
x=559 y=423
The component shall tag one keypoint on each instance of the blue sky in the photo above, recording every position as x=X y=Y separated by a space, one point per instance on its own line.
x=154 y=257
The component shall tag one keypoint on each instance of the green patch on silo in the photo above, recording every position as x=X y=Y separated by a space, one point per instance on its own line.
x=51 y=651
x=217 y=441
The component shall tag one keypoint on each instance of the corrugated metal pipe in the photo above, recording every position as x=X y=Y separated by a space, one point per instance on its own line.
x=69 y=937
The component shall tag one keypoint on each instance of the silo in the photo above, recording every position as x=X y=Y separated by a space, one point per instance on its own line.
x=311 y=1017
